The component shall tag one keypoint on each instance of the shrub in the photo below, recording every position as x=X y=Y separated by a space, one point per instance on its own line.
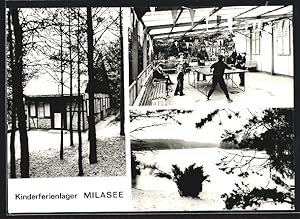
x=135 y=169
x=189 y=182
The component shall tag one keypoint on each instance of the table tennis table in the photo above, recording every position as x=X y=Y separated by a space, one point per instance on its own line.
x=203 y=85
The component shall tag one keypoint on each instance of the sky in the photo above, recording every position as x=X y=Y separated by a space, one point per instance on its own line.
x=36 y=60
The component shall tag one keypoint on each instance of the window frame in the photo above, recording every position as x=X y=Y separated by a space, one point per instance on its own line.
x=47 y=116
x=42 y=108
x=35 y=110
x=280 y=29
x=256 y=38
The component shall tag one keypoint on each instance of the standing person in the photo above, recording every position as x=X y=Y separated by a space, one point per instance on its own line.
x=189 y=49
x=195 y=47
x=218 y=72
x=233 y=56
x=175 y=48
x=241 y=64
x=183 y=48
x=202 y=57
x=180 y=77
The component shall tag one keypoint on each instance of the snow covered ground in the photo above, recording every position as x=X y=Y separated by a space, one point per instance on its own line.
x=40 y=140
x=160 y=194
x=185 y=145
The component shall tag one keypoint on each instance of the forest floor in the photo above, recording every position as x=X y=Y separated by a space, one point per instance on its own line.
x=45 y=154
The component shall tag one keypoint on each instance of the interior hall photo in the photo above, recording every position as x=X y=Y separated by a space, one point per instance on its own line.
x=214 y=55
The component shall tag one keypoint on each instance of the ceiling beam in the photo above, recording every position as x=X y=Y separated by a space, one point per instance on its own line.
x=264 y=17
x=196 y=32
x=224 y=20
x=202 y=19
x=185 y=24
x=272 y=10
x=177 y=18
x=235 y=28
x=251 y=9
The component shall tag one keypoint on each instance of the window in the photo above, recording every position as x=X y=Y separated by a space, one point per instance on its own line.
x=95 y=105
x=87 y=107
x=256 y=43
x=108 y=103
x=41 y=112
x=32 y=110
x=98 y=105
x=283 y=38
x=103 y=102
x=47 y=109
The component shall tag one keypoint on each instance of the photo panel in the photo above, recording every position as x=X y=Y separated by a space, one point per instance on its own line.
x=66 y=145
x=177 y=56
x=212 y=159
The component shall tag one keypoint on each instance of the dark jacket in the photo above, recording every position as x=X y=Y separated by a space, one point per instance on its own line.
x=219 y=68
x=180 y=76
x=202 y=55
x=174 y=49
x=233 y=56
x=241 y=61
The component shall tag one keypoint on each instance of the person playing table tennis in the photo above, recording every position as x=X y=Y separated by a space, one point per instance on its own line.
x=218 y=69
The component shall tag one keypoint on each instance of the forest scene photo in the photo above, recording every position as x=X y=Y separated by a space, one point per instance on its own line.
x=65 y=105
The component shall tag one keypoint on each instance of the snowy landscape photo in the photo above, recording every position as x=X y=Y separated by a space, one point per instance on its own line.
x=212 y=159
x=65 y=114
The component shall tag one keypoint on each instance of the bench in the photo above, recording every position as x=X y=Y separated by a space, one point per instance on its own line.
x=158 y=93
x=251 y=65
x=153 y=93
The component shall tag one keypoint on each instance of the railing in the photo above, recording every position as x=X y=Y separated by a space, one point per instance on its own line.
x=137 y=85
x=132 y=93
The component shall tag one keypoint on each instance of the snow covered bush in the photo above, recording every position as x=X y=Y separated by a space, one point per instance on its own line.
x=189 y=182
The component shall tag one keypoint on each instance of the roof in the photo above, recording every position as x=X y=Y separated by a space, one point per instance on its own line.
x=176 y=22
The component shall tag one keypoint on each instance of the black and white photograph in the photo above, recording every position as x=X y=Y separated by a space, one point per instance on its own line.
x=150 y=108
x=65 y=113
x=208 y=159
x=216 y=55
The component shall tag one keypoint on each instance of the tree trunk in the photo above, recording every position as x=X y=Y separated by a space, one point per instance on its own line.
x=80 y=168
x=13 y=113
x=122 y=117
x=71 y=85
x=12 y=143
x=91 y=117
x=61 y=153
x=18 y=88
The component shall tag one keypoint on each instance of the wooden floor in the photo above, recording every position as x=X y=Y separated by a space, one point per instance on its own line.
x=262 y=90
